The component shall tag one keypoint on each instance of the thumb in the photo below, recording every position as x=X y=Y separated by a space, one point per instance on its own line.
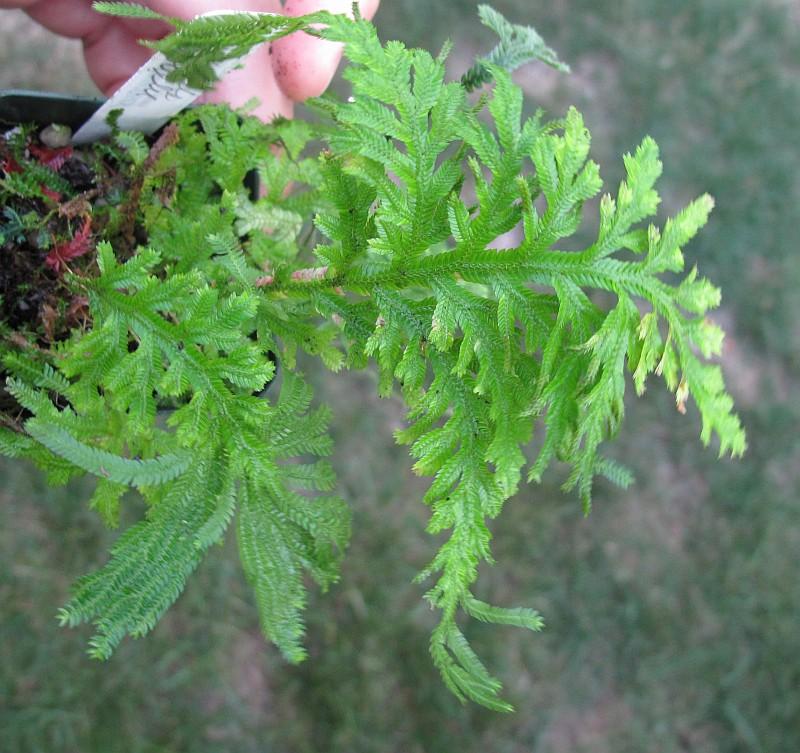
x=305 y=65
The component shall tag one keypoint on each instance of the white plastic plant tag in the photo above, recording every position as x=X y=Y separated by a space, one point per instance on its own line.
x=147 y=100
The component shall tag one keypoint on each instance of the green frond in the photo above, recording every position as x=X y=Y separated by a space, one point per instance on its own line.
x=106 y=465
x=198 y=45
x=318 y=476
x=41 y=375
x=470 y=676
x=213 y=529
x=13 y=444
x=271 y=555
x=149 y=563
x=106 y=500
x=518 y=45
x=134 y=144
x=518 y=617
x=482 y=352
x=35 y=400
x=128 y=10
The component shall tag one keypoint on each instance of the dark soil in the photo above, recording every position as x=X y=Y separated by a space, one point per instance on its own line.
x=78 y=174
x=24 y=286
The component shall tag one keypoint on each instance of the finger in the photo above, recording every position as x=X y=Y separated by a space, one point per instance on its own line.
x=110 y=45
x=69 y=18
x=112 y=56
x=304 y=65
x=255 y=79
x=187 y=9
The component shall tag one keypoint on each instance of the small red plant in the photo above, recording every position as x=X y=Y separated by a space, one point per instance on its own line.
x=9 y=165
x=79 y=245
x=52 y=158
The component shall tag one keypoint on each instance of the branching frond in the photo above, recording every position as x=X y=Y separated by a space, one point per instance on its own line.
x=480 y=351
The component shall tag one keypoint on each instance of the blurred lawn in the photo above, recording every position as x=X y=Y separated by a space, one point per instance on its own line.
x=672 y=612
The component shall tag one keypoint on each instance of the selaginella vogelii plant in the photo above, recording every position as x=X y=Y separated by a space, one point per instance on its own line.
x=166 y=285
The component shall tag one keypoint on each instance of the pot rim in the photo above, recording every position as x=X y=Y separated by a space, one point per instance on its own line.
x=29 y=106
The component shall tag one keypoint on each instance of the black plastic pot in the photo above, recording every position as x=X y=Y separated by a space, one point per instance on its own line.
x=19 y=106
x=43 y=108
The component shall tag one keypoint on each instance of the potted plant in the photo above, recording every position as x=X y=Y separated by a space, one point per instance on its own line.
x=163 y=281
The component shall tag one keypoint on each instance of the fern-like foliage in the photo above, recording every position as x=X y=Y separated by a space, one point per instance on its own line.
x=401 y=267
x=518 y=45
x=479 y=347
x=162 y=393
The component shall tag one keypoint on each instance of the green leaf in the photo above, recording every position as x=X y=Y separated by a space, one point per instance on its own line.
x=14 y=444
x=518 y=45
x=149 y=565
x=518 y=617
x=129 y=10
x=106 y=500
x=104 y=464
x=271 y=551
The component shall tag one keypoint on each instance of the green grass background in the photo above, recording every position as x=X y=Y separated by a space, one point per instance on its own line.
x=673 y=611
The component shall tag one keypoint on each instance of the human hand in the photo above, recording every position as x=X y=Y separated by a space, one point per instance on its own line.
x=290 y=70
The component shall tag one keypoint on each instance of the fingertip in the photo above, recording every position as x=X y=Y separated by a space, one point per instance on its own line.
x=67 y=18
x=304 y=65
x=369 y=8
x=255 y=77
x=112 y=56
